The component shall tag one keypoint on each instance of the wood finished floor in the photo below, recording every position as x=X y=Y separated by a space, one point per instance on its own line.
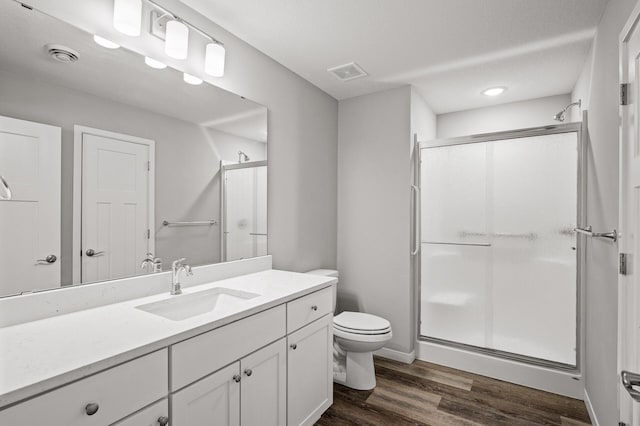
x=428 y=394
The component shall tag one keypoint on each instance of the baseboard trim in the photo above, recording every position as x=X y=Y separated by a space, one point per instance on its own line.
x=392 y=354
x=592 y=413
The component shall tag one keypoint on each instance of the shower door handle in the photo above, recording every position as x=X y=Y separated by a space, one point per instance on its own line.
x=416 y=221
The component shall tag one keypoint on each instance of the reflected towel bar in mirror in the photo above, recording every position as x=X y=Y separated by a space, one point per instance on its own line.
x=190 y=223
x=588 y=231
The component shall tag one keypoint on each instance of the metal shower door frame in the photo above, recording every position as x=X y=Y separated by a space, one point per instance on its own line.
x=580 y=128
x=224 y=168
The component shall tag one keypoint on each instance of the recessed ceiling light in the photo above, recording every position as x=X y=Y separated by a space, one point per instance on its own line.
x=154 y=63
x=191 y=79
x=494 y=91
x=105 y=43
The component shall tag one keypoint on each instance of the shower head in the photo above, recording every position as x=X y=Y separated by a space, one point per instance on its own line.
x=561 y=115
x=242 y=157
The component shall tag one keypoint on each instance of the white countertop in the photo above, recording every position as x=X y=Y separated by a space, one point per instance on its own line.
x=38 y=356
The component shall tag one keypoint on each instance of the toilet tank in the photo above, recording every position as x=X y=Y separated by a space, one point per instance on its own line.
x=327 y=273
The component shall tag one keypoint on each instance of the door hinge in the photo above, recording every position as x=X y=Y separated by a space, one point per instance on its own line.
x=624 y=264
x=148 y=234
x=624 y=94
x=148 y=165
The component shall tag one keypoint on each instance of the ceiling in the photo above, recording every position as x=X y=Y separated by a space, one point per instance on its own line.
x=119 y=75
x=450 y=50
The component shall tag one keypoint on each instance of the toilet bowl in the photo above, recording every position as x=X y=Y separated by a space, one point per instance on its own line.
x=356 y=336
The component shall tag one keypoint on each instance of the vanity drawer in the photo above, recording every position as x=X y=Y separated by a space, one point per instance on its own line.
x=155 y=415
x=309 y=308
x=117 y=392
x=208 y=352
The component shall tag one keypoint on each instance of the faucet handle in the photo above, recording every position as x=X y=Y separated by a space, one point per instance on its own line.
x=178 y=262
x=188 y=270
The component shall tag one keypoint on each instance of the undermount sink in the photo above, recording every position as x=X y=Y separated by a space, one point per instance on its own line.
x=185 y=306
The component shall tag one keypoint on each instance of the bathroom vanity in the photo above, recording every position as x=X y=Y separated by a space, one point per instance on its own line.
x=254 y=349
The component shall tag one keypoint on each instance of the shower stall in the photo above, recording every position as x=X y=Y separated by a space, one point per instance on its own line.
x=243 y=206
x=497 y=259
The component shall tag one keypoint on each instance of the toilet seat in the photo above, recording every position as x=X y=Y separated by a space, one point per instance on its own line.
x=358 y=323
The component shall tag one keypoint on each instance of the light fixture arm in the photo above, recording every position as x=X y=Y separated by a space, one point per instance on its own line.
x=167 y=12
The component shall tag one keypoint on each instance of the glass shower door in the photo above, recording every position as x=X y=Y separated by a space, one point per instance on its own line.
x=499 y=255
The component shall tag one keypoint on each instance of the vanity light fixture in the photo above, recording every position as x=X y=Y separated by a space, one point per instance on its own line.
x=214 y=59
x=127 y=16
x=105 y=43
x=176 y=43
x=154 y=63
x=191 y=79
x=494 y=91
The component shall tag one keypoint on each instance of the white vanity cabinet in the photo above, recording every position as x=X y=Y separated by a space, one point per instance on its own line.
x=97 y=400
x=271 y=368
x=249 y=392
x=310 y=372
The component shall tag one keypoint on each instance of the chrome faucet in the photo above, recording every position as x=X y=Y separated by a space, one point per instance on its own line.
x=177 y=267
x=151 y=263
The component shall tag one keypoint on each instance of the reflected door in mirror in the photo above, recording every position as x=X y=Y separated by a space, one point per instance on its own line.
x=30 y=221
x=116 y=205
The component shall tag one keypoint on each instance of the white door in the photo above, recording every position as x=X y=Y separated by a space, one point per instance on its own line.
x=116 y=205
x=310 y=372
x=30 y=221
x=263 y=397
x=212 y=401
x=628 y=288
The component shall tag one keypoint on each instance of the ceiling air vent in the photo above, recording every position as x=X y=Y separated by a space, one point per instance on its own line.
x=61 y=53
x=347 y=72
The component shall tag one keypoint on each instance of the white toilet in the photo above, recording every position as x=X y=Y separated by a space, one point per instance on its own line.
x=356 y=336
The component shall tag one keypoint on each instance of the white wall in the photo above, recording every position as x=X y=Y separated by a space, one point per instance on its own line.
x=303 y=126
x=599 y=90
x=515 y=115
x=374 y=155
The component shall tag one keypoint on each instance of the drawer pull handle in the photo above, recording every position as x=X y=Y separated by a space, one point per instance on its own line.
x=314 y=308
x=91 y=408
x=248 y=372
x=293 y=346
x=237 y=378
x=163 y=421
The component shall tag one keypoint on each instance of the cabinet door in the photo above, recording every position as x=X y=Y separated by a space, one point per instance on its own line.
x=310 y=372
x=264 y=387
x=213 y=401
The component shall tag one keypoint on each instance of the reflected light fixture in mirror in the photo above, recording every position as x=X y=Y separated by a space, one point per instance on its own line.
x=177 y=40
x=127 y=16
x=154 y=63
x=105 y=43
x=214 y=60
x=191 y=79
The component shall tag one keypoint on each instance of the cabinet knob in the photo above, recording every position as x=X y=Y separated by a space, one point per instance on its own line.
x=248 y=372
x=91 y=408
x=237 y=378
x=314 y=308
x=293 y=346
x=163 y=420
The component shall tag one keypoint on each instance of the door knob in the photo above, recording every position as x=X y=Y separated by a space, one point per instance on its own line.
x=629 y=380
x=293 y=346
x=248 y=372
x=314 y=308
x=92 y=252
x=237 y=378
x=163 y=420
x=47 y=260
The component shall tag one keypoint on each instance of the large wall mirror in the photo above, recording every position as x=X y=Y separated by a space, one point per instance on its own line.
x=111 y=168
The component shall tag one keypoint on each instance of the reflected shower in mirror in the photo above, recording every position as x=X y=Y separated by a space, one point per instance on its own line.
x=113 y=168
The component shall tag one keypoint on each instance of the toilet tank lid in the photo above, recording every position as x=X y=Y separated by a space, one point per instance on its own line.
x=324 y=272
